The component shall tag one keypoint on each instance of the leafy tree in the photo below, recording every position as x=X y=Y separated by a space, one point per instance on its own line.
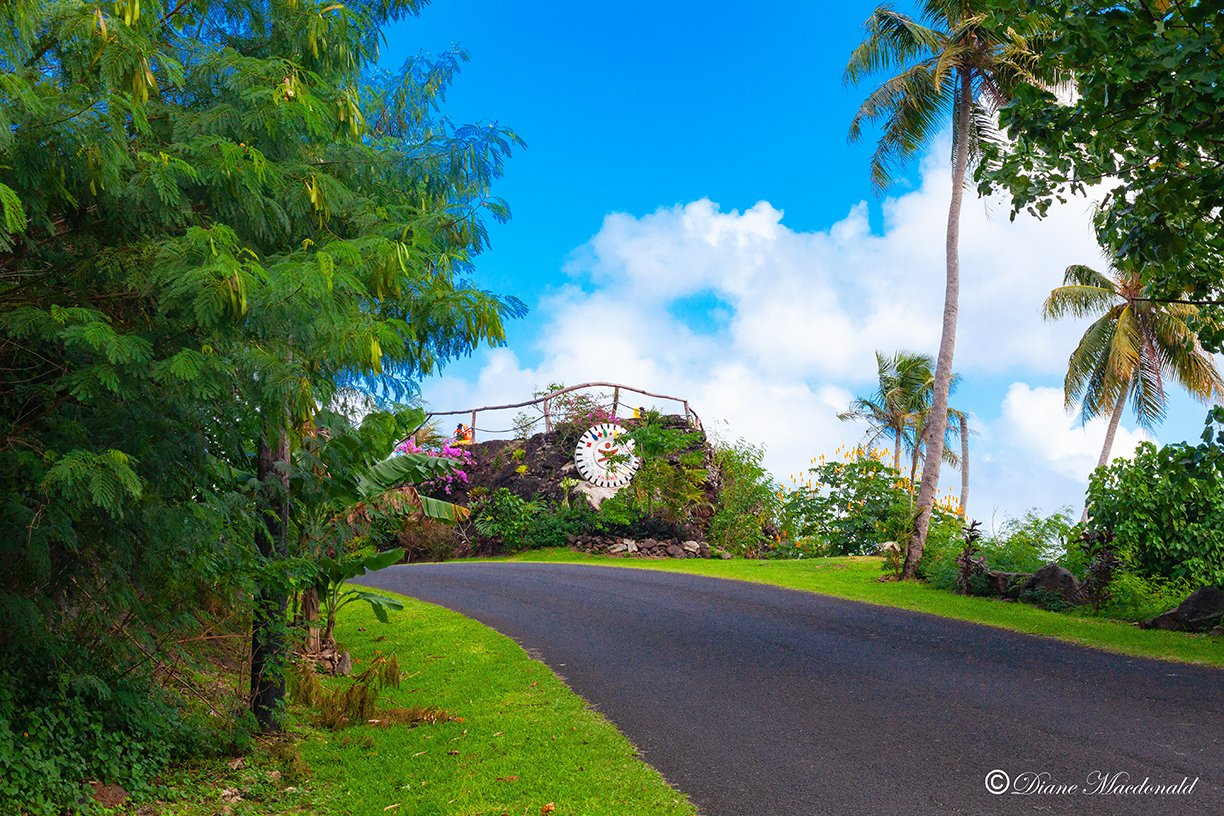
x=216 y=216
x=1129 y=350
x=956 y=65
x=1142 y=131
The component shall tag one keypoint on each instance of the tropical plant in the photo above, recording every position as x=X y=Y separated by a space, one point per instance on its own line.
x=1128 y=352
x=957 y=65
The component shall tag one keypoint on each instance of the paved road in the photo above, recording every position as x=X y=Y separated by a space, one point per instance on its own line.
x=757 y=701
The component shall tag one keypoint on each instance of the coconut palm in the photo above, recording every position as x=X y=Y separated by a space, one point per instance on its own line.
x=955 y=64
x=900 y=409
x=903 y=391
x=1129 y=351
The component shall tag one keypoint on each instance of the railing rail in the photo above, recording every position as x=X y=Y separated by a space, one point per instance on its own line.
x=689 y=414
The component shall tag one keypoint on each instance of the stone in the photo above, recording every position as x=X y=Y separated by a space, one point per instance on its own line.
x=1005 y=584
x=1054 y=579
x=691 y=546
x=726 y=556
x=631 y=547
x=675 y=551
x=1200 y=612
x=618 y=547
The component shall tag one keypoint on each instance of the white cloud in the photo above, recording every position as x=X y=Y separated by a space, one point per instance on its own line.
x=799 y=316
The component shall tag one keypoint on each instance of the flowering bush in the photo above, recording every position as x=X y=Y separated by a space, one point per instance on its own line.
x=447 y=450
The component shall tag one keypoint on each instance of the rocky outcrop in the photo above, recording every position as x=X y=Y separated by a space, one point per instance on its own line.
x=1005 y=584
x=1202 y=611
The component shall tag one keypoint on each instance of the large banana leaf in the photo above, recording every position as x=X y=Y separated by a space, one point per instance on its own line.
x=412 y=468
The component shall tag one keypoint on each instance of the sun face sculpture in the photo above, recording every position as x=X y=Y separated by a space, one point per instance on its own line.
x=604 y=457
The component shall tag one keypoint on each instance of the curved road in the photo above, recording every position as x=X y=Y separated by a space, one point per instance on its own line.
x=761 y=701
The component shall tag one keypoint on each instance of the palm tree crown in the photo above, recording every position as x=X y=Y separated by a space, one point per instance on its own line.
x=1128 y=352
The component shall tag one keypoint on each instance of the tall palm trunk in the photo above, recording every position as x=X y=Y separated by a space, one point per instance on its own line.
x=1114 y=419
x=268 y=650
x=964 y=464
x=947 y=342
x=897 y=450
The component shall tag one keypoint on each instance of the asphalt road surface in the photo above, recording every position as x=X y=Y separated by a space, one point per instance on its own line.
x=758 y=701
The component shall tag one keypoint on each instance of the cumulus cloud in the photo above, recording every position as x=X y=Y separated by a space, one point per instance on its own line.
x=770 y=331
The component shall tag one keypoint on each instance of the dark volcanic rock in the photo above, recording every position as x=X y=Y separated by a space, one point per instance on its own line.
x=1200 y=612
x=1054 y=579
x=1005 y=584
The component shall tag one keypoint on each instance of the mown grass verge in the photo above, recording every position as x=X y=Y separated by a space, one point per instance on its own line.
x=517 y=740
x=857 y=579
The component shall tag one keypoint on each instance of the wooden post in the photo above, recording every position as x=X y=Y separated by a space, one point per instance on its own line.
x=615 y=400
x=472 y=432
x=547 y=418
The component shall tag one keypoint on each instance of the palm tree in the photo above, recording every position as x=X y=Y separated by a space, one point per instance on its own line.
x=900 y=410
x=1134 y=344
x=903 y=391
x=955 y=64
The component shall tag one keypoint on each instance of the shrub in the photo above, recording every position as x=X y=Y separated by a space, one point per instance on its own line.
x=748 y=500
x=1165 y=507
x=503 y=518
x=849 y=508
x=1134 y=597
x=552 y=527
x=428 y=540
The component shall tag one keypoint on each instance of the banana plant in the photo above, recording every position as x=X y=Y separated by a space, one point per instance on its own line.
x=359 y=489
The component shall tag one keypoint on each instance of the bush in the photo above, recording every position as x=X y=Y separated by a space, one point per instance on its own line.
x=1133 y=597
x=1165 y=508
x=503 y=518
x=748 y=501
x=849 y=508
x=552 y=527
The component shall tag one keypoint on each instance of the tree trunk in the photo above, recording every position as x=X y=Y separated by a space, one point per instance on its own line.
x=897 y=450
x=947 y=342
x=964 y=496
x=268 y=652
x=310 y=616
x=1114 y=420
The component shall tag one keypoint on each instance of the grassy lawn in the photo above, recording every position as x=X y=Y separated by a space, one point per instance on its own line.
x=519 y=740
x=857 y=579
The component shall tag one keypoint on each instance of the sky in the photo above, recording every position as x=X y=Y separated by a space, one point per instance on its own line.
x=689 y=219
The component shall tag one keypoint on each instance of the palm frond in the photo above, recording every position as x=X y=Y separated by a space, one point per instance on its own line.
x=1077 y=300
x=892 y=40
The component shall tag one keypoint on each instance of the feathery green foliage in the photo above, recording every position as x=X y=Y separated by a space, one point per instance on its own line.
x=215 y=218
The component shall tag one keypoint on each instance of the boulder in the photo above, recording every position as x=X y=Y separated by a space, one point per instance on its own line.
x=691 y=546
x=1054 y=579
x=1005 y=584
x=676 y=551
x=1200 y=612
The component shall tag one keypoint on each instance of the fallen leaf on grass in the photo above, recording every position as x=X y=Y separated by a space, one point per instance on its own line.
x=236 y=764
x=453 y=753
x=508 y=778
x=549 y=808
x=391 y=807
x=231 y=795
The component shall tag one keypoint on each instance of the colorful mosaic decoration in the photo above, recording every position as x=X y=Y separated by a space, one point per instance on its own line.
x=604 y=457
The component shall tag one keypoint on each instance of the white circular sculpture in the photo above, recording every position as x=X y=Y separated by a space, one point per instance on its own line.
x=604 y=458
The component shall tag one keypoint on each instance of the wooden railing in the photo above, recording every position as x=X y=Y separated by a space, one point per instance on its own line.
x=689 y=414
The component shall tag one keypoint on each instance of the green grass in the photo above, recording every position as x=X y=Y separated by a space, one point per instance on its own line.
x=525 y=740
x=857 y=579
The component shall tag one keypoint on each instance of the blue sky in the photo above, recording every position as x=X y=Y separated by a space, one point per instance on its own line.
x=689 y=218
